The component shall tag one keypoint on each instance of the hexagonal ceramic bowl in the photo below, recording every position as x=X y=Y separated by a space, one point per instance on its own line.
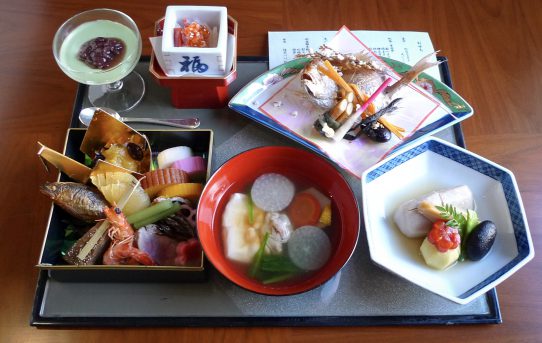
x=435 y=164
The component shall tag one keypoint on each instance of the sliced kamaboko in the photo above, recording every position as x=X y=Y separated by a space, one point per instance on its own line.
x=241 y=239
x=167 y=157
x=414 y=217
x=309 y=248
x=272 y=192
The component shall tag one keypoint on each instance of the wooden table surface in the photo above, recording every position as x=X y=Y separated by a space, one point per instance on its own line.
x=494 y=49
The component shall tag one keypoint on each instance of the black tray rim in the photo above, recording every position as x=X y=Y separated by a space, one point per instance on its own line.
x=492 y=317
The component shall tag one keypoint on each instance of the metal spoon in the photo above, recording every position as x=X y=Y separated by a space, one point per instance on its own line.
x=86 y=114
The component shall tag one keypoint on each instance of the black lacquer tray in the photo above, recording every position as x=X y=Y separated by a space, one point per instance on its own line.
x=361 y=294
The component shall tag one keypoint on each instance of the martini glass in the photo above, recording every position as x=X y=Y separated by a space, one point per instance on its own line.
x=108 y=67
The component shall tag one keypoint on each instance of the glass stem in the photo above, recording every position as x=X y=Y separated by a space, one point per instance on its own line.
x=114 y=86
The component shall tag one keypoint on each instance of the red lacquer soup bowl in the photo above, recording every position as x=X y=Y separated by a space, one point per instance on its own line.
x=303 y=168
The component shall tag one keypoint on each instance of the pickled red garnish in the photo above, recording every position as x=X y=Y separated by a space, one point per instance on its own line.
x=443 y=237
x=187 y=251
x=102 y=52
x=193 y=34
x=178 y=36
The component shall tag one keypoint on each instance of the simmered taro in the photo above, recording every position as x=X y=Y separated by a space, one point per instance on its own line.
x=441 y=248
x=102 y=52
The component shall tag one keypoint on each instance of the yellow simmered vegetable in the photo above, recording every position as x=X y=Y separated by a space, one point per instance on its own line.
x=114 y=184
x=190 y=191
x=325 y=217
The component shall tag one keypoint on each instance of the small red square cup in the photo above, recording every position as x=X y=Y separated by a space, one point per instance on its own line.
x=193 y=91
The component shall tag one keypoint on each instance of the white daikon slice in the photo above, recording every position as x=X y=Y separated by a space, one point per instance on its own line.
x=272 y=192
x=309 y=248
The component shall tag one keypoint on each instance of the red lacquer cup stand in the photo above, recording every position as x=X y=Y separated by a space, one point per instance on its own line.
x=193 y=91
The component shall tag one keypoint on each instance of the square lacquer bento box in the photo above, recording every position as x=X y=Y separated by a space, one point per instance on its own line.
x=200 y=141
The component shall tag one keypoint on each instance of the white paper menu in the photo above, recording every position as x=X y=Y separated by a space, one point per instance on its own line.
x=404 y=46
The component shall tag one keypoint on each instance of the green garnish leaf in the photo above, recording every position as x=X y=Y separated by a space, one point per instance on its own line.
x=458 y=220
x=276 y=268
x=277 y=278
x=150 y=211
x=154 y=165
x=70 y=237
x=68 y=231
x=158 y=216
x=88 y=160
x=256 y=263
x=472 y=222
x=278 y=264
x=454 y=218
x=250 y=210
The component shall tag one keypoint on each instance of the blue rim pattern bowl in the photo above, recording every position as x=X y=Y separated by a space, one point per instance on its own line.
x=431 y=165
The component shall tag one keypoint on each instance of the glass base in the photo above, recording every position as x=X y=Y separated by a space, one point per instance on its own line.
x=121 y=96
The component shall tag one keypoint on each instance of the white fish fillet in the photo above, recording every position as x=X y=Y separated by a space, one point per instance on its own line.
x=413 y=224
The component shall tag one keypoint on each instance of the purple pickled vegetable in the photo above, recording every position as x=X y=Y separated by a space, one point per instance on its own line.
x=161 y=248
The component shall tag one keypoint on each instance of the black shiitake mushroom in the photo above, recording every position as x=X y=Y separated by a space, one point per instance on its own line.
x=480 y=240
x=377 y=132
x=135 y=151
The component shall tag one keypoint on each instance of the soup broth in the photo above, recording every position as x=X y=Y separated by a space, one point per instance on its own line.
x=287 y=241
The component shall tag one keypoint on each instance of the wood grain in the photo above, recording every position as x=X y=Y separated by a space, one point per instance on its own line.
x=495 y=53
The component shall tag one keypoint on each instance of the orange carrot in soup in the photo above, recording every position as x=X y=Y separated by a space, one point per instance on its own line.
x=304 y=210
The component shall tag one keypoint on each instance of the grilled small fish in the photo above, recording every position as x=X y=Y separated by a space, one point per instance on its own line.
x=365 y=75
x=360 y=69
x=79 y=200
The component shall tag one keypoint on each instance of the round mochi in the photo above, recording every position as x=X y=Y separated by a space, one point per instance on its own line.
x=167 y=157
x=309 y=247
x=272 y=192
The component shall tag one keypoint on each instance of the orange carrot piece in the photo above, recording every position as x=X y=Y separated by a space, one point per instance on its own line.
x=304 y=210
